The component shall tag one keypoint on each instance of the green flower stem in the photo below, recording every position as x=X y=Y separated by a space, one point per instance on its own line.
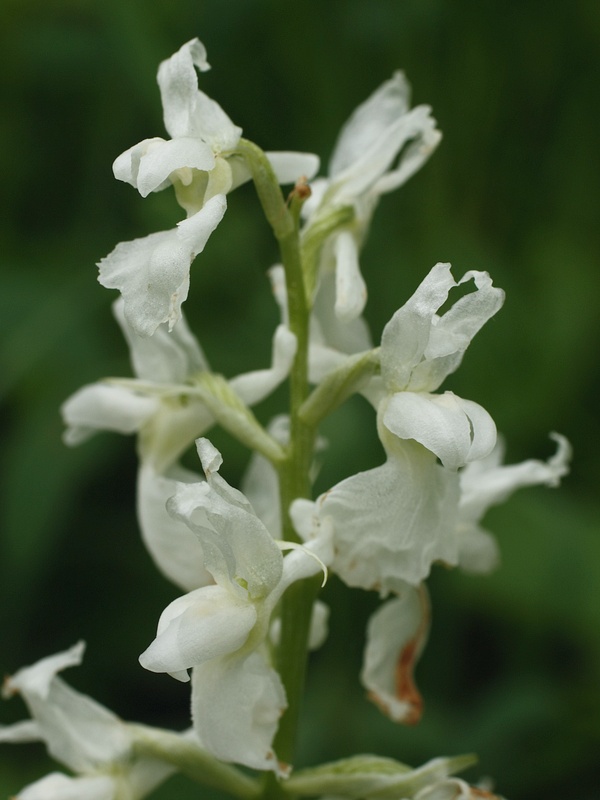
x=352 y=376
x=296 y=605
x=192 y=761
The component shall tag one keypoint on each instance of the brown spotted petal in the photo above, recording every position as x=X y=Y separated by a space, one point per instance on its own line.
x=396 y=635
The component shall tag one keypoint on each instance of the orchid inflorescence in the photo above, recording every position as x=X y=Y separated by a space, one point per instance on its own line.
x=250 y=564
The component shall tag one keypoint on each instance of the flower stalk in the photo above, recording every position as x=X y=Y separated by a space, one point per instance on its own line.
x=294 y=481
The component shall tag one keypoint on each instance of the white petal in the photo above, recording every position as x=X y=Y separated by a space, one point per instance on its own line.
x=260 y=483
x=331 y=338
x=236 y=706
x=126 y=167
x=414 y=154
x=456 y=430
x=175 y=550
x=164 y=357
x=278 y=286
x=319 y=625
x=392 y=522
x=365 y=174
x=78 y=731
x=211 y=123
x=396 y=635
x=152 y=274
x=238 y=549
x=105 y=407
x=26 y=731
x=196 y=230
x=161 y=160
x=351 y=290
x=37 y=679
x=452 y=333
x=57 y=786
x=486 y=483
x=369 y=122
x=178 y=85
x=479 y=552
x=419 y=348
x=305 y=517
x=200 y=626
x=290 y=166
x=254 y=386
x=406 y=335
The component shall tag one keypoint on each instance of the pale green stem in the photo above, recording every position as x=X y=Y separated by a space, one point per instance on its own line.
x=297 y=602
x=191 y=760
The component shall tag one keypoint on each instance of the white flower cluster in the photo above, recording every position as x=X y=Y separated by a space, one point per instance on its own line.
x=201 y=163
x=81 y=734
x=380 y=530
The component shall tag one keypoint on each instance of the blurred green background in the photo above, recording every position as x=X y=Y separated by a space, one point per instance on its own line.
x=511 y=669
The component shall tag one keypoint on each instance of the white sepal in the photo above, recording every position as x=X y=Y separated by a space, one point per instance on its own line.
x=26 y=731
x=78 y=731
x=396 y=635
x=290 y=166
x=236 y=707
x=168 y=356
x=152 y=273
x=57 y=786
x=487 y=482
x=175 y=550
x=351 y=290
x=104 y=406
x=152 y=164
x=419 y=349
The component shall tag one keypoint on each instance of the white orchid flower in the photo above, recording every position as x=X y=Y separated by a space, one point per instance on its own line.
x=162 y=406
x=392 y=522
x=382 y=144
x=219 y=631
x=419 y=349
x=200 y=162
x=397 y=631
x=486 y=483
x=80 y=733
